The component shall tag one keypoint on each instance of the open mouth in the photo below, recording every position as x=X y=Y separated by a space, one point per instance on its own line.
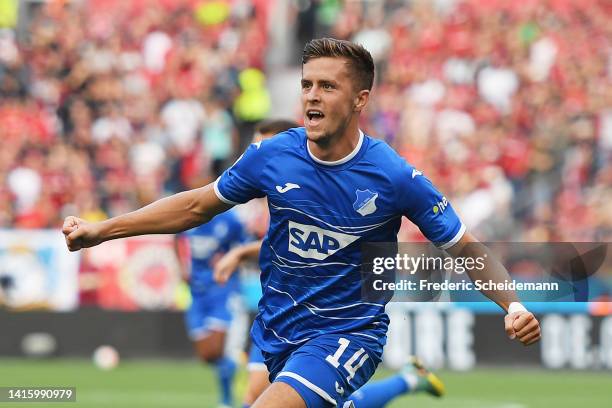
x=314 y=116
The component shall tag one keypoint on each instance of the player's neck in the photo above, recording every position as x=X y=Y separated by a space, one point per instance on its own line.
x=339 y=147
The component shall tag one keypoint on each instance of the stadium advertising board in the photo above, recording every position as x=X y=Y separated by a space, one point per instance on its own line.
x=36 y=271
x=459 y=339
x=140 y=273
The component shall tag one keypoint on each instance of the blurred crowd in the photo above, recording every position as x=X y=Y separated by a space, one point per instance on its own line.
x=506 y=106
x=106 y=106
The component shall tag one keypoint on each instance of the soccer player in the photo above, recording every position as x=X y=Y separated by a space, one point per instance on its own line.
x=413 y=378
x=330 y=189
x=210 y=313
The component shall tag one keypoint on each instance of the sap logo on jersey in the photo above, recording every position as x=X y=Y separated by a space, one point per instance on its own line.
x=313 y=242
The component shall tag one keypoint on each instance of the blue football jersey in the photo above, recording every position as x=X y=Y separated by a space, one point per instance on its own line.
x=320 y=215
x=210 y=241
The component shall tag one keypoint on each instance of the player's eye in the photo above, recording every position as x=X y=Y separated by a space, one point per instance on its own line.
x=306 y=85
x=328 y=86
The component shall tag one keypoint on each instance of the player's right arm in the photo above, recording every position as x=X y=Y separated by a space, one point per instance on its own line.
x=169 y=215
x=228 y=264
x=182 y=211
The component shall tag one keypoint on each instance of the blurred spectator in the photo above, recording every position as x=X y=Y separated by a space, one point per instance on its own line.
x=218 y=139
x=108 y=105
x=25 y=185
x=504 y=105
x=252 y=104
x=111 y=124
x=182 y=117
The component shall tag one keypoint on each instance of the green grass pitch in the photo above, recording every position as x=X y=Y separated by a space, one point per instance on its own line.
x=170 y=383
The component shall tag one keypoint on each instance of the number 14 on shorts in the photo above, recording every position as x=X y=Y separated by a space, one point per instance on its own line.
x=351 y=365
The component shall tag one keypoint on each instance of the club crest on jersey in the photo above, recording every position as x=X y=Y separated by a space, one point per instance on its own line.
x=313 y=242
x=366 y=202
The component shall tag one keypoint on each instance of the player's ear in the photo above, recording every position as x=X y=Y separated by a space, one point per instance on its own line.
x=361 y=100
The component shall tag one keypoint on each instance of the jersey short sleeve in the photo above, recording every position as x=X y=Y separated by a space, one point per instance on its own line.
x=242 y=182
x=427 y=208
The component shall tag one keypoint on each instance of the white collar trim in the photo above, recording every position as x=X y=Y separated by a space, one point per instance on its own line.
x=340 y=161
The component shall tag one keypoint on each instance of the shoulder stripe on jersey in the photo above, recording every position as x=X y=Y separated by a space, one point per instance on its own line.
x=220 y=196
x=455 y=239
x=317 y=390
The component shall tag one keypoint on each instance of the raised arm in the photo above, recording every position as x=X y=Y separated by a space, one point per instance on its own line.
x=169 y=215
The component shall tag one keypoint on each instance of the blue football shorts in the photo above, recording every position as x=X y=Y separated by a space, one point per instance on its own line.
x=209 y=312
x=327 y=369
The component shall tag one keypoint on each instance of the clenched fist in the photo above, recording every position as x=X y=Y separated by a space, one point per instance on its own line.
x=81 y=234
x=524 y=326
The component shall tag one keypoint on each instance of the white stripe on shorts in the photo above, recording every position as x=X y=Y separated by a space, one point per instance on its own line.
x=319 y=391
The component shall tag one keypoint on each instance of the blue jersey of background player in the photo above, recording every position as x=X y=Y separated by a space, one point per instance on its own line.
x=209 y=315
x=207 y=243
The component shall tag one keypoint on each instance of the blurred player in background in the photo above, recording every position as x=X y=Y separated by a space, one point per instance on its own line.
x=210 y=313
x=330 y=188
x=256 y=217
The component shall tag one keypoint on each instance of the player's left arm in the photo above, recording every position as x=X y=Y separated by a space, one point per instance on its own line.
x=426 y=207
x=519 y=322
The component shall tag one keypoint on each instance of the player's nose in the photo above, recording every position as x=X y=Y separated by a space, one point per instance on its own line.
x=313 y=94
